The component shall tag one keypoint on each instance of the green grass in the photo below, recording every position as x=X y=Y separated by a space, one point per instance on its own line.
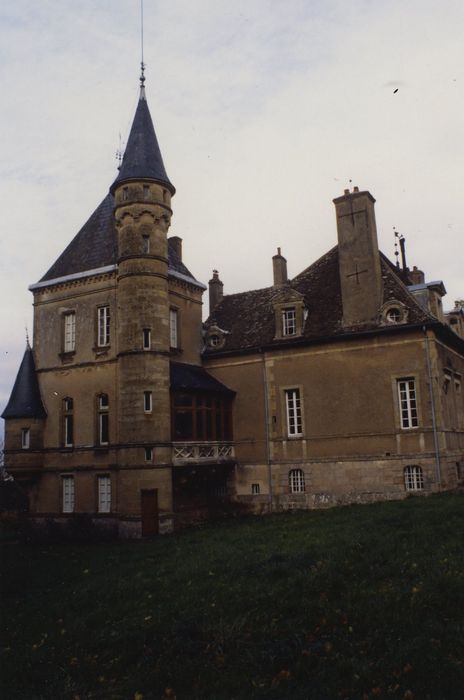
x=356 y=602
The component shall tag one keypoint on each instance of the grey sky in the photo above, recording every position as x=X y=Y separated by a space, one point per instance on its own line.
x=264 y=111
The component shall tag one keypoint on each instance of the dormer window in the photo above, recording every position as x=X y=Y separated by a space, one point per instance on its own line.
x=393 y=315
x=393 y=312
x=214 y=340
x=289 y=321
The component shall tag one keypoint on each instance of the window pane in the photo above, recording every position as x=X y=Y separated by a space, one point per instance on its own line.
x=68 y=494
x=183 y=424
x=104 y=428
x=173 y=328
x=104 y=494
x=294 y=422
x=70 y=332
x=68 y=431
x=289 y=322
x=103 y=326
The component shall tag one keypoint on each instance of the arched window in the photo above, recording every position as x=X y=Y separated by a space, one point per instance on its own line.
x=413 y=478
x=296 y=481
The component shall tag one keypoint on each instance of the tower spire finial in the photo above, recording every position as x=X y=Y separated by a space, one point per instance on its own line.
x=142 y=64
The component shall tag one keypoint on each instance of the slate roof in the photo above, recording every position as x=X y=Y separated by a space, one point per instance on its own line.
x=192 y=378
x=25 y=400
x=249 y=321
x=95 y=246
x=142 y=157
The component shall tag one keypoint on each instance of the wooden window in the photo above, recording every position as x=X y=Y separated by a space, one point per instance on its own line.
x=201 y=417
x=103 y=326
x=25 y=438
x=68 y=422
x=146 y=339
x=296 y=481
x=147 y=401
x=413 y=478
x=289 y=322
x=293 y=406
x=407 y=403
x=69 y=332
x=173 y=330
x=103 y=419
x=104 y=494
x=68 y=494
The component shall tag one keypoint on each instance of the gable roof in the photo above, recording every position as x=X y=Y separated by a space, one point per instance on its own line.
x=95 y=247
x=142 y=157
x=25 y=400
x=249 y=320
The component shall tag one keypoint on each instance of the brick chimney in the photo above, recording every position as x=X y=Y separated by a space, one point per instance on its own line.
x=279 y=266
x=215 y=290
x=358 y=255
x=176 y=244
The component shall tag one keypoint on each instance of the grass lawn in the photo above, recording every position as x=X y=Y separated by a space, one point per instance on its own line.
x=356 y=602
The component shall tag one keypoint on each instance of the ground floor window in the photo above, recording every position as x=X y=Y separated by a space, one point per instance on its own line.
x=68 y=494
x=104 y=494
x=296 y=481
x=255 y=489
x=413 y=478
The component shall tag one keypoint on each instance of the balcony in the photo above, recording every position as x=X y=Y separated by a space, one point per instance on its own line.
x=202 y=452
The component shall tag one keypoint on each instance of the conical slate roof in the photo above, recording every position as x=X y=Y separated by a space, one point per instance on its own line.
x=142 y=157
x=25 y=400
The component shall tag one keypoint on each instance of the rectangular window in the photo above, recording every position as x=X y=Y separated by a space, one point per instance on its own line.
x=68 y=422
x=103 y=419
x=103 y=326
x=173 y=328
x=293 y=405
x=147 y=402
x=146 y=192
x=68 y=494
x=289 y=322
x=104 y=494
x=146 y=339
x=145 y=244
x=148 y=454
x=407 y=403
x=255 y=489
x=25 y=438
x=457 y=383
x=70 y=332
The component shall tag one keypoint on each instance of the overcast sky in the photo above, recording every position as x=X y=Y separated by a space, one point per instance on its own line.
x=264 y=110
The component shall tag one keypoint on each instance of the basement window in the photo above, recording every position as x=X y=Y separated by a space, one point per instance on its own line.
x=255 y=489
x=413 y=478
x=296 y=481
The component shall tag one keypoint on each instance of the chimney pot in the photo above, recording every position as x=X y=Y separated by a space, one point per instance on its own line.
x=355 y=188
x=346 y=192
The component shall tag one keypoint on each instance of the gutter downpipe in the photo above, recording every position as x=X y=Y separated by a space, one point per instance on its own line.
x=432 y=403
x=266 y=432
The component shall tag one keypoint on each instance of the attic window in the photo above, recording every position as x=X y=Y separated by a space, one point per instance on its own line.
x=289 y=322
x=214 y=340
x=393 y=315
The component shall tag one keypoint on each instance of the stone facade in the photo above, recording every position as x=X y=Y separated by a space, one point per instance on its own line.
x=342 y=385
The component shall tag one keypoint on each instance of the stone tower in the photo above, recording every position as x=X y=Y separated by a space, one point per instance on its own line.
x=142 y=210
x=359 y=261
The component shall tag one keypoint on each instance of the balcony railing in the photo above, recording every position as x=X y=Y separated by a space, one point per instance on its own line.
x=198 y=452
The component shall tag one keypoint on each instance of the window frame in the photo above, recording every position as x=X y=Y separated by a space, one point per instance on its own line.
x=209 y=416
x=255 y=489
x=25 y=438
x=294 y=411
x=103 y=419
x=147 y=401
x=69 y=332
x=68 y=494
x=413 y=475
x=408 y=411
x=296 y=481
x=68 y=421
x=146 y=336
x=103 y=326
x=289 y=327
x=173 y=328
x=145 y=244
x=104 y=494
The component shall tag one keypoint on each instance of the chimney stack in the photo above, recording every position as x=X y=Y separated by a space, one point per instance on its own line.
x=176 y=244
x=358 y=256
x=416 y=276
x=215 y=291
x=279 y=265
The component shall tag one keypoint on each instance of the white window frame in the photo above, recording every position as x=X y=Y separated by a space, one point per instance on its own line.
x=407 y=402
x=25 y=438
x=146 y=338
x=147 y=401
x=69 y=321
x=296 y=481
x=103 y=332
x=68 y=491
x=104 y=494
x=289 y=321
x=173 y=328
x=413 y=478
x=293 y=412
